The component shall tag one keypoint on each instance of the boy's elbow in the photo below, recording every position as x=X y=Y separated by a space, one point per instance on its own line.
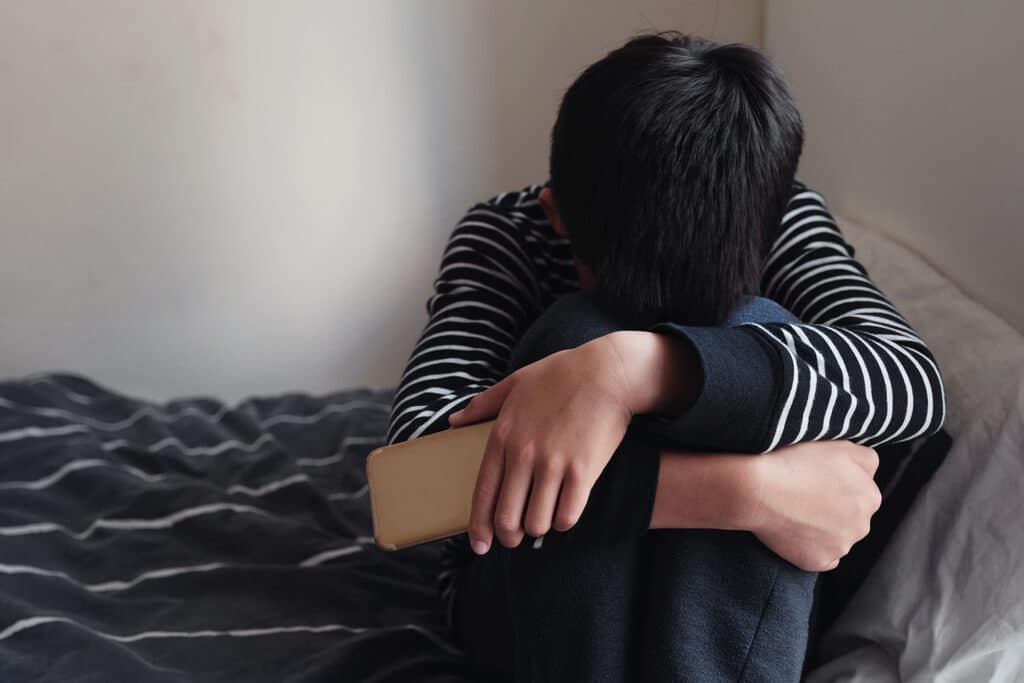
x=939 y=414
x=935 y=417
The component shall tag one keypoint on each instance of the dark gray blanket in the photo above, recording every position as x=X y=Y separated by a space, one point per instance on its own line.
x=194 y=541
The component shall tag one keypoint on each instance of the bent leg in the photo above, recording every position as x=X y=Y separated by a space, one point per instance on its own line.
x=720 y=606
x=564 y=611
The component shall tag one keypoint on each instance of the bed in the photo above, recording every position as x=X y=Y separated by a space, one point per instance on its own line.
x=197 y=541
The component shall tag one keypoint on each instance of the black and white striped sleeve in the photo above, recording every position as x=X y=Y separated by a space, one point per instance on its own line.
x=853 y=368
x=485 y=296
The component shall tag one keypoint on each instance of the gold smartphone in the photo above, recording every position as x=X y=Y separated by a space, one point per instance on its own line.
x=422 y=490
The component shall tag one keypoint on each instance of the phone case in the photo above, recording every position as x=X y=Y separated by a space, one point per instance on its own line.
x=422 y=490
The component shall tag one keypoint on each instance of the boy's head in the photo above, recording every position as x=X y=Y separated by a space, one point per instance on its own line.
x=671 y=161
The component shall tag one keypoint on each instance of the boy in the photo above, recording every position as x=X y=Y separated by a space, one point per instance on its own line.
x=672 y=166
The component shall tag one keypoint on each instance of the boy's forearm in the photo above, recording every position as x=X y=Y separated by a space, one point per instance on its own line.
x=808 y=503
x=706 y=491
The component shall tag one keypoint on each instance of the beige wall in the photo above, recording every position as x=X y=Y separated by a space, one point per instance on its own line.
x=914 y=114
x=234 y=197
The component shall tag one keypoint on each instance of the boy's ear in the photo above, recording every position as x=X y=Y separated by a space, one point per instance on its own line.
x=547 y=200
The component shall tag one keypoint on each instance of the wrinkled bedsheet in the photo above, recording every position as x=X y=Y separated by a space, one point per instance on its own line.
x=196 y=541
x=945 y=601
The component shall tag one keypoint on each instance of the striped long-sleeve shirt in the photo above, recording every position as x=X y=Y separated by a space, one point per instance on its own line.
x=852 y=369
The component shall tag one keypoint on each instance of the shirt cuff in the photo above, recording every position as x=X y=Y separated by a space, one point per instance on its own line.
x=740 y=377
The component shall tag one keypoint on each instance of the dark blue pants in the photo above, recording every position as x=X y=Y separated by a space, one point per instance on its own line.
x=610 y=600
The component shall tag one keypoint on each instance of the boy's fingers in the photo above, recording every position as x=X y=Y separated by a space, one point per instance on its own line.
x=483 y=406
x=571 y=502
x=485 y=496
x=867 y=458
x=515 y=487
x=543 y=498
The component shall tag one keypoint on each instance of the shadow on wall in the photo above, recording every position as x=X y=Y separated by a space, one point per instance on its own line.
x=233 y=198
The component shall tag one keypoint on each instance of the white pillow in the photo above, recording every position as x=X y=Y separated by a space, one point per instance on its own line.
x=945 y=602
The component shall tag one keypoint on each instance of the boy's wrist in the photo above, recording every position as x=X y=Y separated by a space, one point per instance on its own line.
x=661 y=371
x=707 y=491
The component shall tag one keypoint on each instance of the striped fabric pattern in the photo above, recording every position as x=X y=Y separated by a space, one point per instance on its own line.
x=856 y=369
x=853 y=369
x=196 y=541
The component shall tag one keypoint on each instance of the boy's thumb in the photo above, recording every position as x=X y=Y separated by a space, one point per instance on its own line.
x=485 y=406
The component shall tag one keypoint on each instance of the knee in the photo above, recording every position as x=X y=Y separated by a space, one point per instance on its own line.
x=757 y=309
x=570 y=321
x=713 y=550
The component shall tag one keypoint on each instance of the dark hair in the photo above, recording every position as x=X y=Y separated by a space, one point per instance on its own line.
x=672 y=160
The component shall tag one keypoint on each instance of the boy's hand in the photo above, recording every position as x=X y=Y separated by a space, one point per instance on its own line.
x=816 y=500
x=559 y=421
